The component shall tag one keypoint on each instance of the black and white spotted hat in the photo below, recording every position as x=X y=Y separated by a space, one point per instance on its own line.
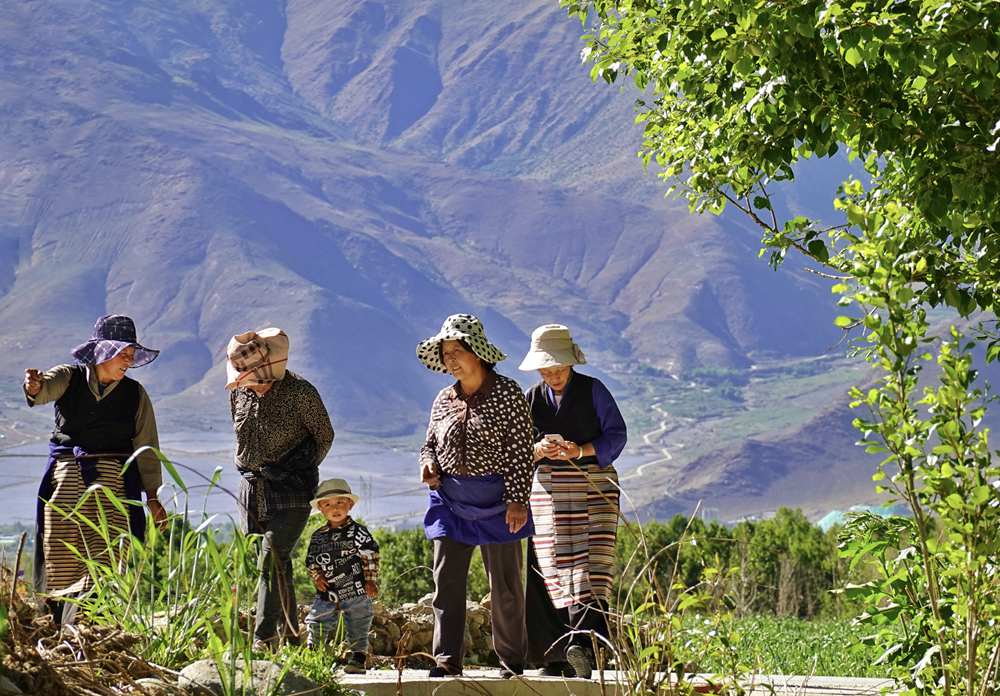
x=458 y=326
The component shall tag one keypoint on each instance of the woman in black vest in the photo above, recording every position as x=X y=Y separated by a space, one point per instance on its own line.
x=579 y=432
x=102 y=417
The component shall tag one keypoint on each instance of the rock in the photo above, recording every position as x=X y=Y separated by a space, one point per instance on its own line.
x=203 y=677
x=8 y=688
x=158 y=687
x=426 y=599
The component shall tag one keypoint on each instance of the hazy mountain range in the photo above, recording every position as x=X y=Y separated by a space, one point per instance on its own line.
x=353 y=173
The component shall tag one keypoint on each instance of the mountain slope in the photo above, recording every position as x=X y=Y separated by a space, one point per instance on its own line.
x=354 y=173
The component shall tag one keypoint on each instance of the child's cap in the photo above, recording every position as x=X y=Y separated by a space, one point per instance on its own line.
x=332 y=488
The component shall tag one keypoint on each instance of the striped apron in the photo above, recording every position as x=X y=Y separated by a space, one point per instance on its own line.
x=62 y=534
x=575 y=508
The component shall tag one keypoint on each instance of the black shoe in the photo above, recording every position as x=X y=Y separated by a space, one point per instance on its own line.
x=439 y=671
x=356 y=665
x=557 y=669
x=511 y=671
x=581 y=660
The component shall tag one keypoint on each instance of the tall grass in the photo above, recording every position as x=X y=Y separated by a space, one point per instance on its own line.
x=186 y=591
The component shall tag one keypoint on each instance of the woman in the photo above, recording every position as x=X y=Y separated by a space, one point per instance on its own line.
x=102 y=417
x=477 y=462
x=579 y=433
x=283 y=432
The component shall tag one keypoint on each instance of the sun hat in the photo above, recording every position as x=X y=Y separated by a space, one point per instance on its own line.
x=465 y=327
x=113 y=333
x=332 y=488
x=256 y=357
x=552 y=346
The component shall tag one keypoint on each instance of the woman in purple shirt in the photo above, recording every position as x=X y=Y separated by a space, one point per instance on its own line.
x=579 y=432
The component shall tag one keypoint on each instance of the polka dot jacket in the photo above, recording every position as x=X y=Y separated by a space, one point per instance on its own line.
x=489 y=432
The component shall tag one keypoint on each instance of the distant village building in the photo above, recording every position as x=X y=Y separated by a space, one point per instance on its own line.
x=838 y=517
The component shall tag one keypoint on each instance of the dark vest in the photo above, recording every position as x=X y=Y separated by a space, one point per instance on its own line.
x=576 y=419
x=99 y=427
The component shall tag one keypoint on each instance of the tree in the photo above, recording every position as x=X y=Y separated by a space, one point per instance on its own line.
x=792 y=559
x=735 y=94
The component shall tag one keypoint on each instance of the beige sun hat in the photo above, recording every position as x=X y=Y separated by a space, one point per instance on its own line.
x=464 y=327
x=552 y=346
x=256 y=357
x=332 y=488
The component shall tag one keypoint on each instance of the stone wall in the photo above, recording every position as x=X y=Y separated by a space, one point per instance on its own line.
x=409 y=629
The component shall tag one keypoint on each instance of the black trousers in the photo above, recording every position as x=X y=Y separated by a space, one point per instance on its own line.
x=548 y=627
x=451 y=574
x=276 y=589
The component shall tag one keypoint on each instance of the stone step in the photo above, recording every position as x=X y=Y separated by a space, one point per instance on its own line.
x=486 y=682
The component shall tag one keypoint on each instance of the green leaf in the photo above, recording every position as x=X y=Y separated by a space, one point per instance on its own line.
x=819 y=251
x=853 y=57
x=843 y=322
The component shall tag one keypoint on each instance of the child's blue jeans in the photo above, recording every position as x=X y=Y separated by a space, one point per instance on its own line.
x=322 y=619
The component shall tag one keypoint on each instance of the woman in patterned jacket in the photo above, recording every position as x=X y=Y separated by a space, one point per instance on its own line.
x=477 y=462
x=579 y=433
x=283 y=432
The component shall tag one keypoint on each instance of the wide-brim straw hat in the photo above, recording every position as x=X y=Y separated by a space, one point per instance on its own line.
x=256 y=357
x=113 y=333
x=332 y=488
x=465 y=327
x=552 y=346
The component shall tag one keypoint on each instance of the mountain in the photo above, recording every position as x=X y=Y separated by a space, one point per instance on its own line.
x=353 y=173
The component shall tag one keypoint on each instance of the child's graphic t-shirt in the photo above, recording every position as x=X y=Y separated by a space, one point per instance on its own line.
x=347 y=556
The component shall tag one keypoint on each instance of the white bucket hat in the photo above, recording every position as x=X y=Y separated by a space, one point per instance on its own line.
x=552 y=346
x=463 y=327
x=332 y=488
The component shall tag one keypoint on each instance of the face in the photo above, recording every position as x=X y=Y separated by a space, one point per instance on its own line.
x=556 y=377
x=461 y=363
x=335 y=510
x=116 y=368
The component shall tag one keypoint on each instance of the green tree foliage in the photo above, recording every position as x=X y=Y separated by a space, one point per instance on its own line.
x=740 y=91
x=407 y=560
x=705 y=545
x=791 y=562
x=736 y=93
x=783 y=565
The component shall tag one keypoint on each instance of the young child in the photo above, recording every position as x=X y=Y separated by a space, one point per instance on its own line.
x=342 y=561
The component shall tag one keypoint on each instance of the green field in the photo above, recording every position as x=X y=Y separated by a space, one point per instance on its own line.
x=821 y=647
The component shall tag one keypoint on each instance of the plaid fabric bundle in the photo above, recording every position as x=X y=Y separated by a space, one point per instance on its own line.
x=256 y=357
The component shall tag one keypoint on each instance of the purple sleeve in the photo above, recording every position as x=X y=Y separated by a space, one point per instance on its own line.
x=610 y=443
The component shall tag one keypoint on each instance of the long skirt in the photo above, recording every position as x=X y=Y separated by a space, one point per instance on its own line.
x=63 y=530
x=575 y=508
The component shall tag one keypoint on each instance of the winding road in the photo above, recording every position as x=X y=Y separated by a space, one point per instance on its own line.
x=652 y=440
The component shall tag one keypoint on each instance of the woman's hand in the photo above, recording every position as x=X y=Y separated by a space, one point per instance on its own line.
x=158 y=512
x=545 y=449
x=568 y=450
x=430 y=476
x=32 y=382
x=517 y=516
